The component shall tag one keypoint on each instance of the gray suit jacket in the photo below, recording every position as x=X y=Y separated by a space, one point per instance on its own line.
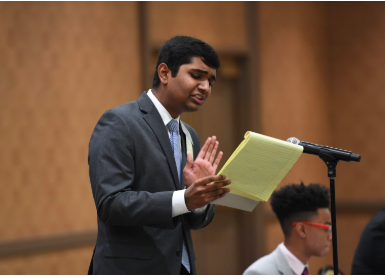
x=133 y=176
x=273 y=264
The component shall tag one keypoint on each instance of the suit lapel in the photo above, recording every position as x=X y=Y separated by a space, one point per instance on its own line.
x=153 y=119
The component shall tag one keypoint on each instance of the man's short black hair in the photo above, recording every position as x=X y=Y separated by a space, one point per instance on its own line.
x=295 y=203
x=179 y=50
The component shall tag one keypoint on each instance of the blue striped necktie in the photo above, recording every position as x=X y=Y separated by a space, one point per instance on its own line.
x=173 y=126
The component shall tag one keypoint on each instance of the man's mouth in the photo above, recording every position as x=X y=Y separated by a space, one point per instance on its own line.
x=198 y=99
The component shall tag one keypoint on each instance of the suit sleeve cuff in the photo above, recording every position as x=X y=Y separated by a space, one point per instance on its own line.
x=178 y=203
x=199 y=211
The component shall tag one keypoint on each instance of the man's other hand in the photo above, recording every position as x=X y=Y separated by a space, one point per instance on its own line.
x=204 y=165
x=204 y=191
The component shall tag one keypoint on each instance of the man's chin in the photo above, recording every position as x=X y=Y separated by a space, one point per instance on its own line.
x=322 y=253
x=326 y=251
x=193 y=108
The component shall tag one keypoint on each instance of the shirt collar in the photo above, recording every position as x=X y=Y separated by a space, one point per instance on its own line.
x=166 y=116
x=295 y=264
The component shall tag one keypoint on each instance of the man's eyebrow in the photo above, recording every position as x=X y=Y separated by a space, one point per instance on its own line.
x=205 y=72
x=328 y=223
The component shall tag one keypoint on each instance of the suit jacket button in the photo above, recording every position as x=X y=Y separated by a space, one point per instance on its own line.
x=179 y=252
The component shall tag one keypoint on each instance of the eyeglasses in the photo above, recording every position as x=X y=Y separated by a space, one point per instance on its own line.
x=318 y=225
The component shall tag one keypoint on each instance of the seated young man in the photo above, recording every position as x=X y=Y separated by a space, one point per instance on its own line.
x=306 y=223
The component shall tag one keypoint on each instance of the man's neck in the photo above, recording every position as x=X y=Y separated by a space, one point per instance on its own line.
x=160 y=96
x=297 y=249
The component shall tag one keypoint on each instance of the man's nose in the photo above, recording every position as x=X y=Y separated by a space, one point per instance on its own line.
x=204 y=86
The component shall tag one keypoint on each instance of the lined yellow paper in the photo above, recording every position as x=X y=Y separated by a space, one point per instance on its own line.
x=258 y=165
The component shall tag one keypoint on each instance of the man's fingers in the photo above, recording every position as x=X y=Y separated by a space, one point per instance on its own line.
x=212 y=156
x=217 y=193
x=217 y=161
x=204 y=148
x=222 y=195
x=217 y=185
x=210 y=149
x=215 y=197
x=210 y=179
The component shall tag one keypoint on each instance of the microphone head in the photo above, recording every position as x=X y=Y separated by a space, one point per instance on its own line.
x=355 y=157
x=293 y=140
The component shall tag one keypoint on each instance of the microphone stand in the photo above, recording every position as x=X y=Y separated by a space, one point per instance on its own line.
x=331 y=163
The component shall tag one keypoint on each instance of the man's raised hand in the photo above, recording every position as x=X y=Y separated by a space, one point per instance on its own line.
x=205 y=164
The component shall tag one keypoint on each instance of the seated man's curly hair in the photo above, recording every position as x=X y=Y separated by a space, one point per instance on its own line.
x=296 y=203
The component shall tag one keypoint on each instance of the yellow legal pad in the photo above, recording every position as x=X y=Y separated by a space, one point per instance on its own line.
x=258 y=165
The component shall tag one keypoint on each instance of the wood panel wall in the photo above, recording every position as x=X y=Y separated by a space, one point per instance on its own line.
x=319 y=73
x=358 y=110
x=222 y=25
x=321 y=81
x=294 y=69
x=62 y=65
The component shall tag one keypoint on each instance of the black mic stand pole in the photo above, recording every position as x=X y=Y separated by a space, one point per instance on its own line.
x=331 y=163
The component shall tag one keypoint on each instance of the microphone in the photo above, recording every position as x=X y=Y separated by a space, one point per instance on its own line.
x=314 y=149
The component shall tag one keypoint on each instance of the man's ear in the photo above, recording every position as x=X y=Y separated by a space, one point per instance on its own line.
x=300 y=230
x=163 y=73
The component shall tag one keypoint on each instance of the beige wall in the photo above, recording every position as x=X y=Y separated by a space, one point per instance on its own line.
x=319 y=74
x=61 y=68
x=358 y=112
x=321 y=80
x=294 y=88
x=222 y=25
x=294 y=77
x=358 y=96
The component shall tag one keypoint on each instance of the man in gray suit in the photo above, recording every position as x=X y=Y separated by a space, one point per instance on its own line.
x=306 y=223
x=141 y=159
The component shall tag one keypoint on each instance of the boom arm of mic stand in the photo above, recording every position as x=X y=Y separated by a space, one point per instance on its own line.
x=331 y=163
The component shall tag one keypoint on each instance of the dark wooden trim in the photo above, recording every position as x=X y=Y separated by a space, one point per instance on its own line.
x=346 y=207
x=253 y=239
x=47 y=243
x=254 y=64
x=359 y=206
x=144 y=46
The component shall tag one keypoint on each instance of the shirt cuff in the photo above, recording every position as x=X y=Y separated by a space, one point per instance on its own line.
x=178 y=203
